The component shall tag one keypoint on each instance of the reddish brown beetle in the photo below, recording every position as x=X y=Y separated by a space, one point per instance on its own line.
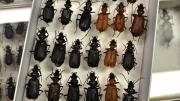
x=111 y=89
x=102 y=21
x=139 y=23
x=120 y=19
x=111 y=54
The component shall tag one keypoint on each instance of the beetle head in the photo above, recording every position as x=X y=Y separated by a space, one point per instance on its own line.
x=130 y=84
x=68 y=4
x=120 y=8
x=49 y=2
x=10 y=80
x=36 y=68
x=8 y=47
x=42 y=33
x=111 y=76
x=113 y=44
x=104 y=8
x=74 y=75
x=140 y=9
x=8 y=25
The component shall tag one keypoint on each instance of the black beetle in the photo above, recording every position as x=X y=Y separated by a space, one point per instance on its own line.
x=19 y=55
x=75 y=54
x=93 y=57
x=20 y=28
x=92 y=93
x=73 y=91
x=48 y=12
x=33 y=86
x=128 y=59
x=10 y=88
x=41 y=46
x=55 y=88
x=8 y=31
x=59 y=50
x=8 y=56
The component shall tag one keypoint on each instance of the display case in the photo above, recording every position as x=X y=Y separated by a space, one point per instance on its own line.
x=143 y=53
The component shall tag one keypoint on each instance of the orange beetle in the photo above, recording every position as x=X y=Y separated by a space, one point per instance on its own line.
x=111 y=89
x=139 y=24
x=102 y=21
x=111 y=54
x=120 y=19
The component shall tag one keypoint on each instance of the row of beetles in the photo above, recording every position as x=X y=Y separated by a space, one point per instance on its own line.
x=92 y=92
x=93 y=53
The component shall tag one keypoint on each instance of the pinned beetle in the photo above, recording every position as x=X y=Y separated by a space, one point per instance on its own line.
x=33 y=86
x=128 y=59
x=8 y=31
x=8 y=59
x=103 y=19
x=55 y=88
x=19 y=55
x=41 y=46
x=92 y=93
x=111 y=89
x=75 y=54
x=139 y=23
x=59 y=50
x=73 y=90
x=120 y=19
x=48 y=11
x=10 y=88
x=111 y=54
x=94 y=55
x=20 y=28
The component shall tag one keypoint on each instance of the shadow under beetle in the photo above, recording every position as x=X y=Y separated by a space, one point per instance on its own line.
x=10 y=88
x=92 y=93
x=75 y=54
x=139 y=23
x=8 y=31
x=8 y=56
x=33 y=86
x=94 y=55
x=59 y=50
x=20 y=28
x=73 y=90
x=19 y=54
x=41 y=47
x=55 y=88
x=111 y=54
x=128 y=59
x=48 y=11
x=103 y=19
x=111 y=89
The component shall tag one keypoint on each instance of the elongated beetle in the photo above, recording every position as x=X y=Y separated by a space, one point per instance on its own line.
x=41 y=46
x=20 y=28
x=8 y=31
x=103 y=19
x=73 y=91
x=139 y=23
x=33 y=86
x=111 y=54
x=19 y=55
x=92 y=93
x=10 y=88
x=128 y=59
x=75 y=54
x=111 y=89
x=94 y=55
x=48 y=11
x=8 y=59
x=120 y=19
x=59 y=50
x=55 y=88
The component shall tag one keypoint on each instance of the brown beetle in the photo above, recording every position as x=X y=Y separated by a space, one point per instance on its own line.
x=139 y=23
x=111 y=89
x=111 y=54
x=102 y=21
x=120 y=19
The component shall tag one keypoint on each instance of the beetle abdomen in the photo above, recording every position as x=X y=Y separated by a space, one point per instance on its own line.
x=128 y=61
x=9 y=33
x=110 y=58
x=73 y=93
x=11 y=90
x=85 y=22
x=92 y=94
x=32 y=90
x=93 y=58
x=102 y=22
x=111 y=93
x=54 y=92
x=66 y=16
x=119 y=23
x=48 y=14
x=75 y=58
x=40 y=50
x=8 y=59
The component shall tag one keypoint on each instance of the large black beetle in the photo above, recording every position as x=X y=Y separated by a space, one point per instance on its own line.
x=8 y=59
x=10 y=88
x=20 y=28
x=8 y=31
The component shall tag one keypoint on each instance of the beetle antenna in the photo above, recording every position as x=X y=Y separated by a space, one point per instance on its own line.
x=138 y=80
x=124 y=77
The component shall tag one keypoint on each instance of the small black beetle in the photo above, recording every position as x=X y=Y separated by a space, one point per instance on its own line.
x=128 y=59
x=48 y=12
x=10 y=88
x=19 y=55
x=73 y=91
x=33 y=86
x=94 y=55
x=75 y=54
x=93 y=92
x=41 y=46
x=55 y=88
x=59 y=50
x=20 y=28
x=8 y=31
x=8 y=56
